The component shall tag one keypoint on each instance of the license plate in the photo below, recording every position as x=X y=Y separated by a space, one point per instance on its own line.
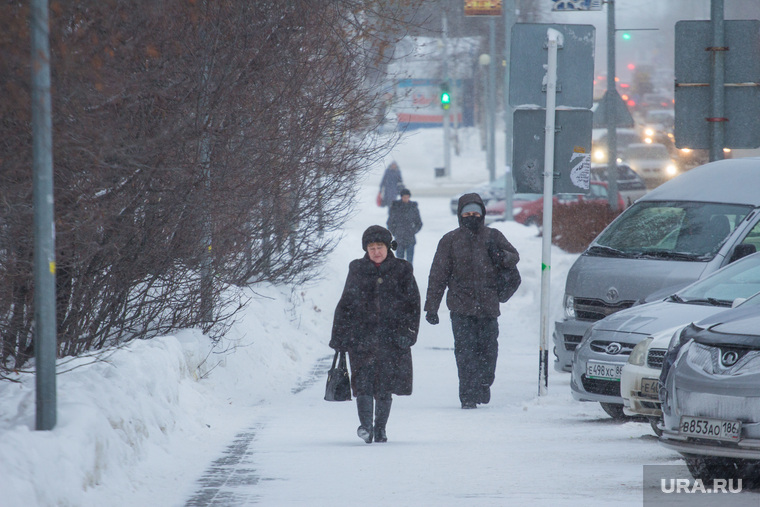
x=650 y=388
x=606 y=371
x=716 y=429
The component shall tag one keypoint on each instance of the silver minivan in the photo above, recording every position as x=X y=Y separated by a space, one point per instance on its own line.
x=683 y=230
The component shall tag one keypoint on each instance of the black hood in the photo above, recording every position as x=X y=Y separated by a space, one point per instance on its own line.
x=468 y=199
x=738 y=326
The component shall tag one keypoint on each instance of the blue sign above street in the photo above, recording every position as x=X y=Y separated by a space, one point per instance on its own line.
x=576 y=5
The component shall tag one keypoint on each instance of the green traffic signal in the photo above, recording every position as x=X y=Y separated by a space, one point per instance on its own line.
x=445 y=100
x=626 y=36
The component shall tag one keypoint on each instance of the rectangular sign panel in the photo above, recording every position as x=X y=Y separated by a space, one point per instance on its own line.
x=482 y=7
x=741 y=92
x=572 y=151
x=576 y=5
x=575 y=65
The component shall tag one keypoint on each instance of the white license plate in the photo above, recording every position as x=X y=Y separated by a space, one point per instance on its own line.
x=716 y=429
x=650 y=388
x=606 y=371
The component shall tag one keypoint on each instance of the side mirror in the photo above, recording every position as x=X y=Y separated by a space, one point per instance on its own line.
x=742 y=250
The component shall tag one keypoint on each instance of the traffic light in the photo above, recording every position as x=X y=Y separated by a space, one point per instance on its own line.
x=626 y=35
x=445 y=95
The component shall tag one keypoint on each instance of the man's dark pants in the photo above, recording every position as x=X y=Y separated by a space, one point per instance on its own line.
x=476 y=348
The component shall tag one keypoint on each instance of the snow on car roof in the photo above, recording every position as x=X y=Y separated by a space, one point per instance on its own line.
x=725 y=181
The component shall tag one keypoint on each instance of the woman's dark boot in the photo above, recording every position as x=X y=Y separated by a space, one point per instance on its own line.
x=382 y=411
x=364 y=406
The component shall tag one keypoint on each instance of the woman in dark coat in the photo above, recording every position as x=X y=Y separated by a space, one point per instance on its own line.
x=376 y=322
x=391 y=184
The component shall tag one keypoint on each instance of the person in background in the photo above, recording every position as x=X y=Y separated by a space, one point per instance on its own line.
x=404 y=222
x=390 y=185
x=466 y=262
x=376 y=322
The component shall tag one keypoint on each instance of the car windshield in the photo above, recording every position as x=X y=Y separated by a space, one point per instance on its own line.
x=673 y=230
x=740 y=279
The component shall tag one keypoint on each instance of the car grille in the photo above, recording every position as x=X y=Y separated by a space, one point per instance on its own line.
x=719 y=406
x=596 y=309
x=572 y=341
x=601 y=346
x=596 y=386
x=656 y=358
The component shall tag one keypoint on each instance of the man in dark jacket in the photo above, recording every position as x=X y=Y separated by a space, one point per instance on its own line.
x=466 y=261
x=404 y=222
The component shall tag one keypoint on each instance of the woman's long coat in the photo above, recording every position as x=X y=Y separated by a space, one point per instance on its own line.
x=379 y=304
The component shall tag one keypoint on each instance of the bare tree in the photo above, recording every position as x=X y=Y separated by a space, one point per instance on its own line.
x=198 y=147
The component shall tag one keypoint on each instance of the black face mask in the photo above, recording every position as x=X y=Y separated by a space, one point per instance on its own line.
x=472 y=223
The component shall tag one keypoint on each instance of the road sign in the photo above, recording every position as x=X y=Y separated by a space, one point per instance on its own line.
x=575 y=65
x=482 y=7
x=693 y=68
x=576 y=5
x=572 y=150
x=622 y=118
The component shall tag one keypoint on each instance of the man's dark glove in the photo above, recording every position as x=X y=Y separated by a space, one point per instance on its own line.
x=432 y=317
x=404 y=341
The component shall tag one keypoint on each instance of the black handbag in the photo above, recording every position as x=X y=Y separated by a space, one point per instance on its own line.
x=507 y=282
x=507 y=279
x=338 y=386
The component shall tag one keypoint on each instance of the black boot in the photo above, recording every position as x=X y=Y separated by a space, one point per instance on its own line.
x=382 y=411
x=364 y=406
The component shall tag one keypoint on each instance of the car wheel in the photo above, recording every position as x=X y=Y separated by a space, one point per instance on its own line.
x=707 y=468
x=614 y=410
x=653 y=421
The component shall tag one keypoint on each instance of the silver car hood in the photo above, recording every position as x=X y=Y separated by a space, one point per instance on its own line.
x=654 y=317
x=738 y=326
x=615 y=279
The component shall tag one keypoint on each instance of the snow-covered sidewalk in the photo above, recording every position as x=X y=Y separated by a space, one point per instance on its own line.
x=173 y=421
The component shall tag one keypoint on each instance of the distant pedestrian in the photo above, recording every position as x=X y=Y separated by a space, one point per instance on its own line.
x=404 y=222
x=466 y=262
x=376 y=322
x=390 y=185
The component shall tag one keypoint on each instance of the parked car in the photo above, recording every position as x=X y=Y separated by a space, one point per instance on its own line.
x=710 y=397
x=629 y=183
x=650 y=161
x=602 y=354
x=676 y=234
x=495 y=207
x=640 y=379
x=487 y=191
x=529 y=211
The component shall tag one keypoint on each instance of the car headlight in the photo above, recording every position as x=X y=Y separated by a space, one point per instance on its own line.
x=671 y=170
x=638 y=355
x=569 y=306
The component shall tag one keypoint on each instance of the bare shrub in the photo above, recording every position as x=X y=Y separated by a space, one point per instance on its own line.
x=198 y=147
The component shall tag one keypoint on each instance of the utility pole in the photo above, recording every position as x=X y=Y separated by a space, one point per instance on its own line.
x=717 y=81
x=44 y=231
x=446 y=118
x=491 y=113
x=509 y=21
x=611 y=116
